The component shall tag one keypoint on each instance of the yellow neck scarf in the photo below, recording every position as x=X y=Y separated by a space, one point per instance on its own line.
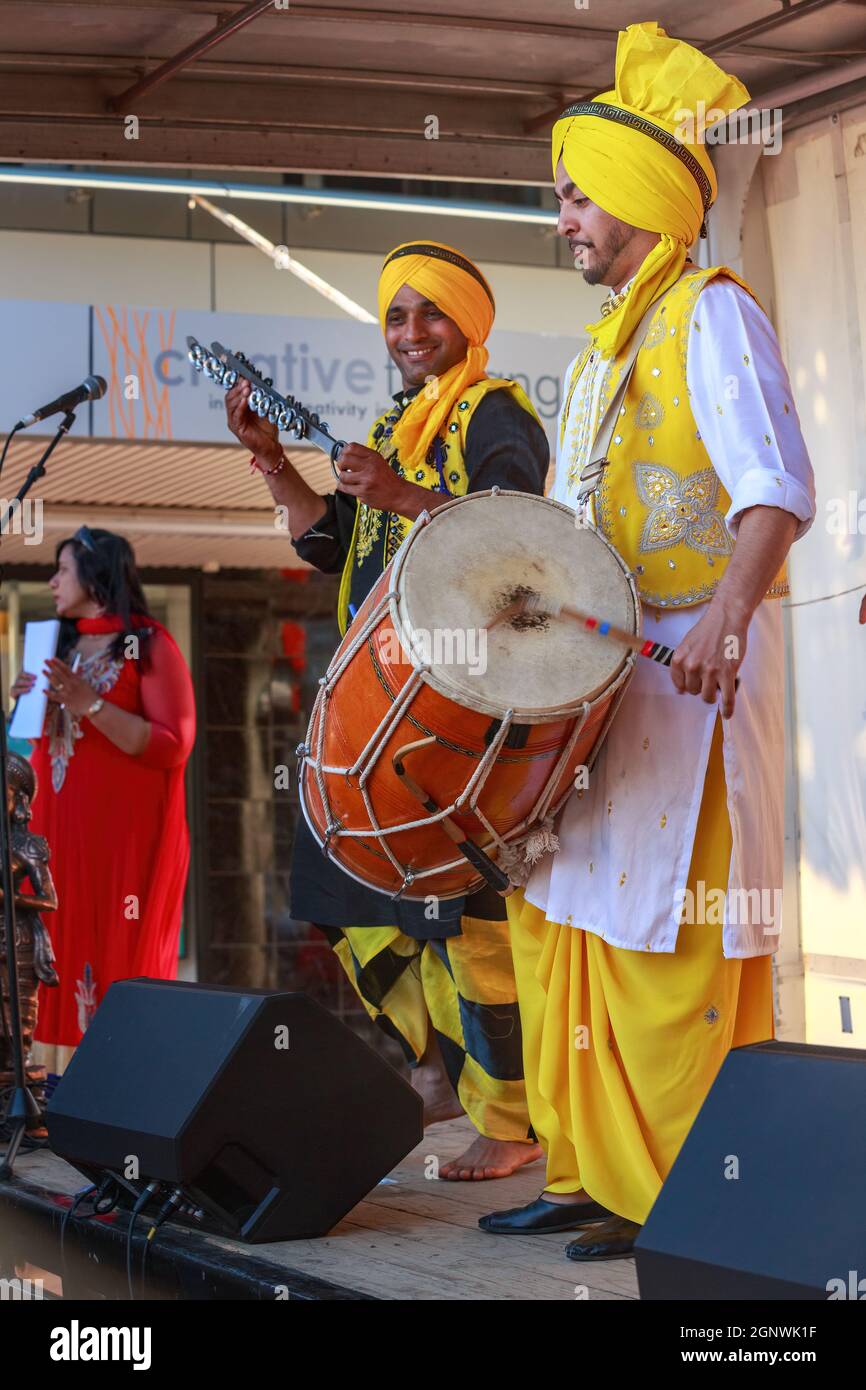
x=453 y=283
x=638 y=152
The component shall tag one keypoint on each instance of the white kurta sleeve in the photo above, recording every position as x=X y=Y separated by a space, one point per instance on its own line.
x=742 y=402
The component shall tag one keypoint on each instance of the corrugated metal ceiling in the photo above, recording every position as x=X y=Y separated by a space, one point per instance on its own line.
x=180 y=504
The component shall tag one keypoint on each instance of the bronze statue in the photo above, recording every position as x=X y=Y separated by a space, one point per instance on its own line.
x=30 y=854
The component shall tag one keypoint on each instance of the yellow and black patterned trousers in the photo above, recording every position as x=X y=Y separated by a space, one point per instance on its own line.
x=463 y=988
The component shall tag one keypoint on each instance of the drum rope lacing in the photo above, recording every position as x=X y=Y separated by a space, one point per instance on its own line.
x=372 y=752
x=331 y=676
x=536 y=822
x=472 y=789
x=520 y=847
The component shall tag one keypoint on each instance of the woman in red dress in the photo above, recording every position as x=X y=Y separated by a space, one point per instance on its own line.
x=110 y=764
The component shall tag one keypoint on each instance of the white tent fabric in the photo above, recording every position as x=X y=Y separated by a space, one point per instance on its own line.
x=816 y=209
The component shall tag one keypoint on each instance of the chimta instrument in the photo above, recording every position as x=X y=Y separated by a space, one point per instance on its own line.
x=286 y=412
x=437 y=743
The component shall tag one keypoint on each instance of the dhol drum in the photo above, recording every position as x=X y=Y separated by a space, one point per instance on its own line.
x=491 y=726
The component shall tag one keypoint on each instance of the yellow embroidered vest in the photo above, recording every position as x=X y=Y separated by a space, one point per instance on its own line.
x=378 y=535
x=660 y=502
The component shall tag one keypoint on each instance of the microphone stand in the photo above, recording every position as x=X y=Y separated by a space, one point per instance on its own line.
x=22 y=1108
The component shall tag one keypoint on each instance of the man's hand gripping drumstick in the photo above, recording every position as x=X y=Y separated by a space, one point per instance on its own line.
x=535 y=606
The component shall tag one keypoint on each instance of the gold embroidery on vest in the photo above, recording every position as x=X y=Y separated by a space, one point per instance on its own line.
x=369 y=528
x=681 y=510
x=576 y=373
x=694 y=283
x=650 y=412
x=667 y=520
x=657 y=333
x=586 y=424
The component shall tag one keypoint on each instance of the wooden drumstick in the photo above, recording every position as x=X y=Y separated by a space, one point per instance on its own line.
x=535 y=604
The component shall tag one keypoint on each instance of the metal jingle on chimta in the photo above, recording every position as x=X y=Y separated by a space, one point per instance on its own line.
x=286 y=412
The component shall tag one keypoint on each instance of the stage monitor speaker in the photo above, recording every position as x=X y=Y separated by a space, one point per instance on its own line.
x=767 y=1198
x=270 y=1113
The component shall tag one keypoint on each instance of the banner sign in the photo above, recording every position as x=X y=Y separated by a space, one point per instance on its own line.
x=338 y=368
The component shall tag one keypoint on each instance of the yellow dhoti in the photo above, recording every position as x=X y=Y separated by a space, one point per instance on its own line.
x=621 y=1047
x=463 y=988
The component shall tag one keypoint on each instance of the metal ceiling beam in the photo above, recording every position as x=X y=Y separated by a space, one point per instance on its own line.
x=223 y=31
x=468 y=23
x=779 y=19
x=183 y=145
x=726 y=43
x=250 y=105
x=124 y=63
x=101 y=65
x=812 y=85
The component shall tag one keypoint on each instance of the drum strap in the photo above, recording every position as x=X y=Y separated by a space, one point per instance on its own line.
x=598 y=460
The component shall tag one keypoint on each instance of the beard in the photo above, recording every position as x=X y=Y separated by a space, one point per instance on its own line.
x=606 y=253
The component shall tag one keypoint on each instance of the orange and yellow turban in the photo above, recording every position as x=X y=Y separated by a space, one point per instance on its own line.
x=638 y=152
x=456 y=286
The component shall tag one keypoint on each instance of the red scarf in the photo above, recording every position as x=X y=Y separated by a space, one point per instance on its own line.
x=110 y=622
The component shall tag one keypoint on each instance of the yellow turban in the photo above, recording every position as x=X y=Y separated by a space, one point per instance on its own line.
x=638 y=153
x=457 y=287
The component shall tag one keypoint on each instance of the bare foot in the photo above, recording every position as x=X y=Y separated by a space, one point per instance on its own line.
x=490 y=1158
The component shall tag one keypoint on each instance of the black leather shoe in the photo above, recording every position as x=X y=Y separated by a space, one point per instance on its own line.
x=540 y=1216
x=612 y=1240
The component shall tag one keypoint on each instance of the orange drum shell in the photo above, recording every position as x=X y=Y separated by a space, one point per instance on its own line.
x=511 y=789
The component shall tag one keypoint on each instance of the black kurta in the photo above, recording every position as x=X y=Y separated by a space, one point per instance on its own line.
x=507 y=448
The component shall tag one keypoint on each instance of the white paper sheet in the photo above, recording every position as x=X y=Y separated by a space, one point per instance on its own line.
x=40 y=642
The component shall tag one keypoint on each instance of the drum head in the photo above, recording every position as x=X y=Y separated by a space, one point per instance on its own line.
x=478 y=554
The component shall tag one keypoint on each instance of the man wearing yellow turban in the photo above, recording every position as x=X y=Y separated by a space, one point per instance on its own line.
x=444 y=988
x=643 y=944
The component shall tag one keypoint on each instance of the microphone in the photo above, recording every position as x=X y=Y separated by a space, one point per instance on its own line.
x=91 y=389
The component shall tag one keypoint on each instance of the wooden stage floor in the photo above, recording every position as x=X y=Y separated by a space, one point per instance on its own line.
x=417 y=1238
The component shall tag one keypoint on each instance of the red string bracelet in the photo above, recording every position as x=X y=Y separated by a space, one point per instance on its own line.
x=268 y=472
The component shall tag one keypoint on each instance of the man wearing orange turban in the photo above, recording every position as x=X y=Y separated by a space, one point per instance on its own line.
x=443 y=988
x=643 y=943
